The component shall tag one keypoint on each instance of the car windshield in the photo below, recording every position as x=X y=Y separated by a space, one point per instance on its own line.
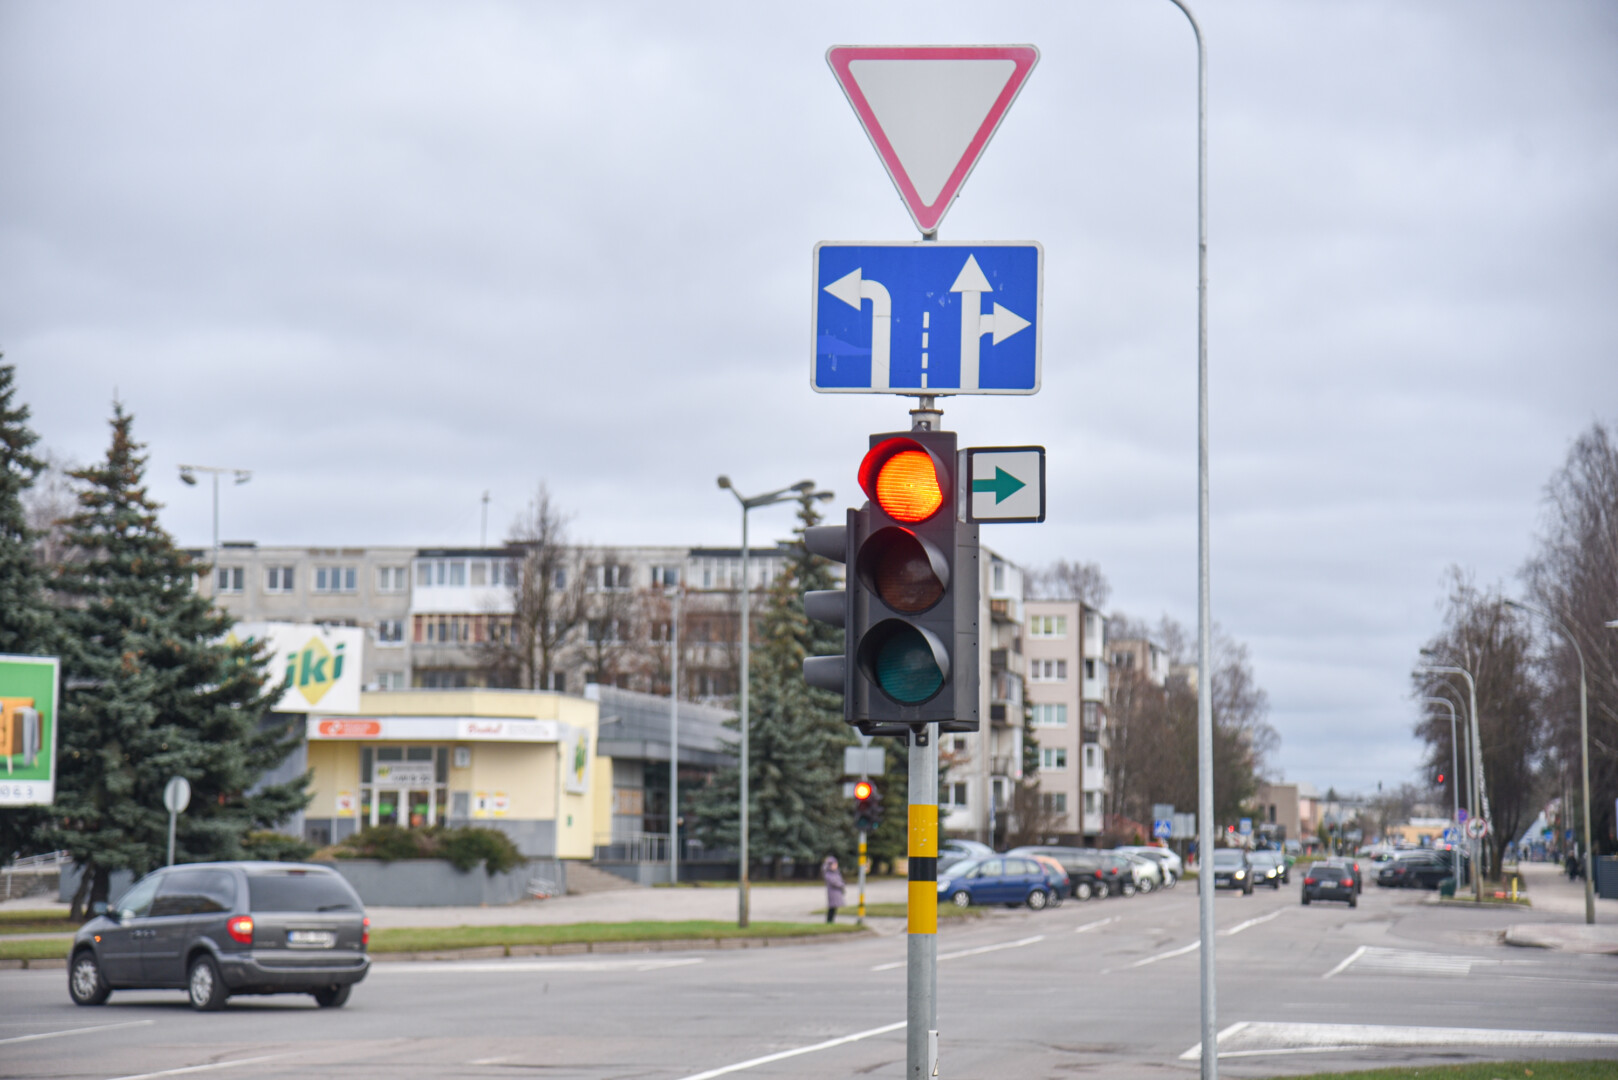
x=300 y=890
x=1267 y=858
x=1329 y=873
x=1227 y=857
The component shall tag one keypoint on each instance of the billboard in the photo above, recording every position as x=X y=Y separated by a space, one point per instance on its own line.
x=29 y=692
x=321 y=666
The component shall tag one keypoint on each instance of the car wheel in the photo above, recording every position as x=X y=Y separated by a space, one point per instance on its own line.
x=1305 y=899
x=1038 y=899
x=1083 y=891
x=206 y=988
x=961 y=898
x=333 y=997
x=1169 y=880
x=84 y=982
x=1127 y=888
x=1353 y=901
x=1146 y=886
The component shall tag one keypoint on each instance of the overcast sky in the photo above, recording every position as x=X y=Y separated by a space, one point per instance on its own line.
x=389 y=256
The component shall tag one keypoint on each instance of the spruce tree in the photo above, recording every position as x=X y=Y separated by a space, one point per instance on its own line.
x=152 y=690
x=25 y=622
x=796 y=733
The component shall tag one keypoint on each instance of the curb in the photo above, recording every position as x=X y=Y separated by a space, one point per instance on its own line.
x=53 y=963
x=575 y=948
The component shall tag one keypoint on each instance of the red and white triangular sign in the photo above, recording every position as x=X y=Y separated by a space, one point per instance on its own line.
x=930 y=110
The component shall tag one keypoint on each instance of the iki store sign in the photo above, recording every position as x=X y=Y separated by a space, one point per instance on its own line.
x=320 y=666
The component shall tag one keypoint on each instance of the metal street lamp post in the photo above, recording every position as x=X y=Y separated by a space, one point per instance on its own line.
x=674 y=739
x=188 y=474
x=797 y=491
x=1479 y=806
x=1584 y=742
x=1454 y=777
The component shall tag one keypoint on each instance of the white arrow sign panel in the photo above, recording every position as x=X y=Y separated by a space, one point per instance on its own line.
x=1005 y=483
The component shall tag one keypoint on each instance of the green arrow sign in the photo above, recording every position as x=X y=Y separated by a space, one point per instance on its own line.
x=1003 y=486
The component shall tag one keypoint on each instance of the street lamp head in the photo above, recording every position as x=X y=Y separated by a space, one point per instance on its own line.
x=188 y=477
x=243 y=476
x=724 y=482
x=1613 y=625
x=827 y=496
x=804 y=486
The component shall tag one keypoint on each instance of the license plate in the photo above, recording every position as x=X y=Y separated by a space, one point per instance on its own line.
x=311 y=939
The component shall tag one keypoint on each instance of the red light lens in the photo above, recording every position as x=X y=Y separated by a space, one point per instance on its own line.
x=365 y=933
x=241 y=929
x=907 y=486
x=1348 y=881
x=862 y=790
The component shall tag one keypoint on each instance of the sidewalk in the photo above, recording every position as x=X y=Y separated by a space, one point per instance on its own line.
x=1552 y=893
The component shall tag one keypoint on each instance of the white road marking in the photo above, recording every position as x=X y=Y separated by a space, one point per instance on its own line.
x=969 y=952
x=1093 y=925
x=1195 y=945
x=784 y=1054
x=1353 y=956
x=1239 y=927
x=1412 y=962
x=450 y=967
x=489 y=1061
x=1250 y=1039
x=203 y=1068
x=76 y=1031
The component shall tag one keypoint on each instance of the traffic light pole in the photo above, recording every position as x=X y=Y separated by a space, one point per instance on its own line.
x=921 y=1011
x=861 y=919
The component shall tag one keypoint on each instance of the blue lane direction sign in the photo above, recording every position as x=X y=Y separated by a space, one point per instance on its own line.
x=927 y=318
x=1162 y=829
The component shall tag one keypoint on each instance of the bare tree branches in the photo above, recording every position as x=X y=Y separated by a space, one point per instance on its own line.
x=1064 y=580
x=547 y=599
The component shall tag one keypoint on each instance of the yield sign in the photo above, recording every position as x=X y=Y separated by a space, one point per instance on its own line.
x=930 y=110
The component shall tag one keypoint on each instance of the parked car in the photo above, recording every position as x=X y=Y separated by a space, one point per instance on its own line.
x=1173 y=866
x=951 y=852
x=1418 y=869
x=1270 y=868
x=1330 y=881
x=1001 y=879
x=1232 y=870
x=1148 y=873
x=1082 y=865
x=217 y=929
x=1057 y=875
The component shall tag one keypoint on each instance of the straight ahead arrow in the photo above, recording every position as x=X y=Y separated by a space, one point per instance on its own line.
x=1004 y=485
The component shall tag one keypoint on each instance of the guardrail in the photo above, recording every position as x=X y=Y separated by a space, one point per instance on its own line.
x=33 y=866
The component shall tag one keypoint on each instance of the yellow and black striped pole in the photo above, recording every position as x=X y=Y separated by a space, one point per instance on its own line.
x=921 y=1013
x=862 y=878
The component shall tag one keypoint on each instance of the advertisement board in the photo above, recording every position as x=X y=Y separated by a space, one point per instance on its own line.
x=322 y=666
x=30 y=687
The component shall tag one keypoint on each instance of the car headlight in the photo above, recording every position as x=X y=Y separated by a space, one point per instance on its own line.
x=1240 y=874
x=1269 y=873
x=943 y=886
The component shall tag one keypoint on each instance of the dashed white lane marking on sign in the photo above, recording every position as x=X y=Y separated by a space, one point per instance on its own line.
x=969 y=952
x=784 y=1054
x=1239 y=927
x=1093 y=925
x=210 y=1067
x=1353 y=956
x=437 y=967
x=75 y=1031
x=1250 y=1039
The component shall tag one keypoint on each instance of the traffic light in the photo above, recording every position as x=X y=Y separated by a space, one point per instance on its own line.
x=909 y=605
x=867 y=806
x=1438 y=781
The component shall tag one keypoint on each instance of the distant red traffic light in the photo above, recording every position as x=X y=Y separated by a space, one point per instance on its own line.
x=863 y=789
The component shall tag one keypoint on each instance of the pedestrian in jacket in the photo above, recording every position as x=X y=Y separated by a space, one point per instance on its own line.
x=834 y=886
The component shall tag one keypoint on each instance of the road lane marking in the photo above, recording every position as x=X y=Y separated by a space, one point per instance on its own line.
x=1353 y=956
x=784 y=1054
x=969 y=952
x=1093 y=925
x=1252 y=1039
x=1239 y=927
x=1195 y=945
x=203 y=1068
x=540 y=966
x=76 y=1031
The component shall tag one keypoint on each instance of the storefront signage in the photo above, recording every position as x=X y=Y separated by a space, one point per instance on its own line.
x=349 y=729
x=439 y=728
x=405 y=774
x=28 y=696
x=319 y=666
x=345 y=804
x=575 y=760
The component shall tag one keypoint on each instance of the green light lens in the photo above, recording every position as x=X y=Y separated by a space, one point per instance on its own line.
x=905 y=668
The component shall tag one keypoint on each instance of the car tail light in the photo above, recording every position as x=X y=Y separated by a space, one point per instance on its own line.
x=241 y=929
x=1348 y=882
x=1308 y=881
x=365 y=931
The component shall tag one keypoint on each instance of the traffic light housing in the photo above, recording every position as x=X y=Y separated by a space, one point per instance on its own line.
x=867 y=806
x=909 y=604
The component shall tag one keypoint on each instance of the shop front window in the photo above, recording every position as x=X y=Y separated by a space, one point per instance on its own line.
x=404 y=785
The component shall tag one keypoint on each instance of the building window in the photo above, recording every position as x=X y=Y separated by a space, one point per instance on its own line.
x=557 y=682
x=1054 y=802
x=1092 y=716
x=602 y=632
x=997 y=577
x=1089 y=802
x=953 y=794
x=335 y=579
x=1090 y=669
x=1050 y=715
x=610 y=577
x=390 y=680
x=666 y=577
x=1047 y=670
x=391 y=579
x=434 y=572
x=404 y=785
x=390 y=631
x=1053 y=757
x=1047 y=626
x=1089 y=757
x=278 y=579
x=558 y=578
x=228 y=578
x=448 y=679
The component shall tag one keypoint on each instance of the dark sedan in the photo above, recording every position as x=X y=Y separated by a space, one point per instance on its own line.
x=217 y=929
x=1418 y=870
x=1326 y=881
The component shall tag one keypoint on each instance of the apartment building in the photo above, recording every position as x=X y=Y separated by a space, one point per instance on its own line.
x=1067 y=693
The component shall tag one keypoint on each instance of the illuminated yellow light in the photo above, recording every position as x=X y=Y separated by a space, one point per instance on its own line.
x=907 y=486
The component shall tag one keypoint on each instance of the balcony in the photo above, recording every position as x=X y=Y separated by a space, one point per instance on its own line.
x=1000 y=766
x=997 y=659
x=1000 y=610
x=997 y=713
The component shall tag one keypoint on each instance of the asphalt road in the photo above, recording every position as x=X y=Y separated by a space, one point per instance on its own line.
x=1107 y=988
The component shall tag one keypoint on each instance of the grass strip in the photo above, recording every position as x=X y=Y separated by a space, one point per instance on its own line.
x=433 y=939
x=1498 y=1070
x=38 y=926
x=35 y=948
